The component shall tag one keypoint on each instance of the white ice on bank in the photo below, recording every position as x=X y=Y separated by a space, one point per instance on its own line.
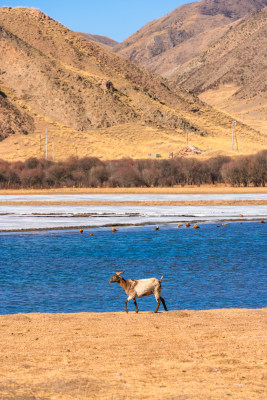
x=134 y=197
x=20 y=217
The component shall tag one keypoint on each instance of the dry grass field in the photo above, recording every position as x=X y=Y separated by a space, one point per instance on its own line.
x=129 y=140
x=252 y=113
x=192 y=189
x=178 y=355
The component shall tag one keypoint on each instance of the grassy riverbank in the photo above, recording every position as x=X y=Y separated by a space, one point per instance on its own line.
x=214 y=354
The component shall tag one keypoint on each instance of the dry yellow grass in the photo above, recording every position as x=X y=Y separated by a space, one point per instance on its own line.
x=129 y=140
x=252 y=112
x=193 y=189
x=178 y=355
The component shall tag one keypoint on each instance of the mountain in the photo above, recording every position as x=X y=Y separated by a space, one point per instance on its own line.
x=232 y=74
x=92 y=101
x=216 y=48
x=101 y=40
x=165 y=44
x=13 y=119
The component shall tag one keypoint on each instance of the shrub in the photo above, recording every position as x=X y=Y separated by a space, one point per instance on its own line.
x=92 y=172
x=125 y=176
x=32 y=177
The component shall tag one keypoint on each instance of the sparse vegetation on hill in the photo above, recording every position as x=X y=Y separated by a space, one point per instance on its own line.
x=238 y=57
x=13 y=119
x=57 y=73
x=216 y=48
x=91 y=172
x=238 y=62
x=165 y=44
x=94 y=101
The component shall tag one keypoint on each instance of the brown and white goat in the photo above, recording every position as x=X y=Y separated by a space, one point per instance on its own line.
x=139 y=288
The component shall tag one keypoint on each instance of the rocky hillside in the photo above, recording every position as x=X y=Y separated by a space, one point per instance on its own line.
x=165 y=44
x=91 y=100
x=13 y=119
x=238 y=62
x=239 y=57
x=73 y=81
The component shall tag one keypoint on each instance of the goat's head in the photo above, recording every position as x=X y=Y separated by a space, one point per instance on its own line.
x=116 y=277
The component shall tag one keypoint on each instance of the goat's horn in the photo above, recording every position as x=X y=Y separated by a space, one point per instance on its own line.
x=119 y=273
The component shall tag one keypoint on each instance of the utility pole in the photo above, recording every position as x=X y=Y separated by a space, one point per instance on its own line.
x=243 y=134
x=53 y=150
x=40 y=146
x=46 y=134
x=233 y=134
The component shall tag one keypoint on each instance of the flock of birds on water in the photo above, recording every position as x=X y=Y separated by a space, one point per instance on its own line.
x=187 y=225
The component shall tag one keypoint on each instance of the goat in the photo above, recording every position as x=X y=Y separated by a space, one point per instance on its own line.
x=140 y=288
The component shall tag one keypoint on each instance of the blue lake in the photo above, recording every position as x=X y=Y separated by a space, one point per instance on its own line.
x=65 y=271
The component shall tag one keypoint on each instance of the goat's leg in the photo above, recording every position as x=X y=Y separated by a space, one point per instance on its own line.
x=157 y=297
x=126 y=305
x=164 y=304
x=136 y=308
x=158 y=303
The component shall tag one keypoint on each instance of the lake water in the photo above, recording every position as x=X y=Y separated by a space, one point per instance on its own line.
x=65 y=271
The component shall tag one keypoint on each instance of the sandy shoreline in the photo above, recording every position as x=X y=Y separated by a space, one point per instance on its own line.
x=204 y=189
x=209 y=355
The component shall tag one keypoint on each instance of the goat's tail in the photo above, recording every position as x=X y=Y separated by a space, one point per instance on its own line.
x=161 y=279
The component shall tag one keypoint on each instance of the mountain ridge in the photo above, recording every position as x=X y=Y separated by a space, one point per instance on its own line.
x=237 y=61
x=251 y=30
x=91 y=99
x=99 y=39
x=164 y=43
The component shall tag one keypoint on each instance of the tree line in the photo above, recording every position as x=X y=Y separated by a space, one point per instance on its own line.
x=36 y=173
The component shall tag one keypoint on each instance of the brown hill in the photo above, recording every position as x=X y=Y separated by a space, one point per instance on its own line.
x=13 y=119
x=101 y=40
x=232 y=74
x=92 y=101
x=165 y=44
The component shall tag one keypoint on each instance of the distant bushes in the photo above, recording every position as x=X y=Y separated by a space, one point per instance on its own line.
x=92 y=172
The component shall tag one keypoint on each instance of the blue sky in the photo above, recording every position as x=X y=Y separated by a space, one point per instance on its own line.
x=116 y=19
